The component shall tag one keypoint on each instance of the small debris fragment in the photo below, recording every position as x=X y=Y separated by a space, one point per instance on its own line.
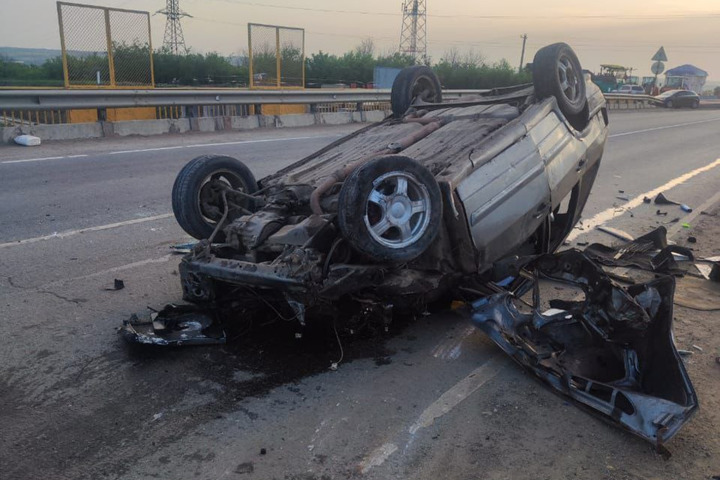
x=183 y=247
x=647 y=200
x=686 y=225
x=692 y=239
x=685 y=353
x=704 y=270
x=622 y=197
x=663 y=200
x=685 y=208
x=117 y=285
x=621 y=191
x=660 y=213
x=27 y=140
x=617 y=233
x=263 y=451
x=698 y=348
x=583 y=244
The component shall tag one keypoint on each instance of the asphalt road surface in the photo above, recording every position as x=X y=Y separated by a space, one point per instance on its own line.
x=430 y=399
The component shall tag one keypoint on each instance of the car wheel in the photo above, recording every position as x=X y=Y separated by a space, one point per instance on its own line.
x=557 y=72
x=197 y=193
x=414 y=83
x=695 y=104
x=669 y=104
x=390 y=209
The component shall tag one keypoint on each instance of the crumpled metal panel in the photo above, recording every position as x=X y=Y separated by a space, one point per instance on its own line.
x=612 y=351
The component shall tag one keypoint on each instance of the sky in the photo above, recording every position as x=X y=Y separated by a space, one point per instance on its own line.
x=608 y=31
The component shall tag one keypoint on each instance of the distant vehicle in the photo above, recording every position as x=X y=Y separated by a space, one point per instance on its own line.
x=609 y=77
x=679 y=99
x=631 y=89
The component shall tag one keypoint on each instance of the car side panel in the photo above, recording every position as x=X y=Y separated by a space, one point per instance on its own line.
x=506 y=199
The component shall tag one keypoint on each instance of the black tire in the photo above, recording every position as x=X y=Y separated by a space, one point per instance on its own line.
x=557 y=72
x=414 y=83
x=669 y=104
x=695 y=104
x=196 y=205
x=398 y=231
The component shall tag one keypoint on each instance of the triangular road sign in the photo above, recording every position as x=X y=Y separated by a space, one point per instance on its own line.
x=660 y=56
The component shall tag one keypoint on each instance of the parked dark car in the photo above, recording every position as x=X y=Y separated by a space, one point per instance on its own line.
x=679 y=99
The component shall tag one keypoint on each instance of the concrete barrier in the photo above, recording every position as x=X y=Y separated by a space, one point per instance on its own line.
x=77 y=131
x=67 y=131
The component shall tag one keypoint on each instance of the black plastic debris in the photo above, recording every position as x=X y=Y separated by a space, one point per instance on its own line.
x=611 y=351
x=117 y=285
x=175 y=325
x=661 y=199
x=649 y=252
x=660 y=213
x=715 y=272
x=647 y=200
x=692 y=239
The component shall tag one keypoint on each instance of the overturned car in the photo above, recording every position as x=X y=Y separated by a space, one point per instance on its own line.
x=397 y=214
x=441 y=200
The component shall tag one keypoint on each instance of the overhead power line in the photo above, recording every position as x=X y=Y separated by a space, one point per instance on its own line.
x=489 y=17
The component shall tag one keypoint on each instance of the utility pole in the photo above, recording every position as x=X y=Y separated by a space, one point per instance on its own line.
x=174 y=39
x=413 y=39
x=522 y=54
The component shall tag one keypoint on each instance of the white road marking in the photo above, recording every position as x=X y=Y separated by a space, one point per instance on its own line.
x=176 y=147
x=463 y=389
x=377 y=457
x=71 y=233
x=612 y=212
x=27 y=160
x=451 y=348
x=157 y=149
x=443 y=405
x=662 y=128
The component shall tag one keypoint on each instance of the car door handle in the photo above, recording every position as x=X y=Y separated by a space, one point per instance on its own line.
x=541 y=210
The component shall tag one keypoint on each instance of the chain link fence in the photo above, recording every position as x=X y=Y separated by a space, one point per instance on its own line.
x=105 y=47
x=277 y=56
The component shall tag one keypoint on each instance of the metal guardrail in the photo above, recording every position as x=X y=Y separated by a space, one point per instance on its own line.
x=630 y=101
x=81 y=99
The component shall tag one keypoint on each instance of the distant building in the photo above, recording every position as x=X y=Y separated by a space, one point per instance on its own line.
x=685 y=77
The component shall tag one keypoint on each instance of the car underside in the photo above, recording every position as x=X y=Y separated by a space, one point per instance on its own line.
x=440 y=201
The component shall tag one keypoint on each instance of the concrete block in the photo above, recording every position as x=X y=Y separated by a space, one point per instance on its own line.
x=335 y=118
x=70 y=131
x=8 y=133
x=375 y=116
x=267 y=121
x=244 y=123
x=150 y=127
x=206 y=124
x=296 y=120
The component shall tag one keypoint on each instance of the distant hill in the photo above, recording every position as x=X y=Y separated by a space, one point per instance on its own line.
x=29 y=56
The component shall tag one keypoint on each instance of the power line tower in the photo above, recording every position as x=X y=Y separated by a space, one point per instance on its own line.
x=413 y=39
x=174 y=39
